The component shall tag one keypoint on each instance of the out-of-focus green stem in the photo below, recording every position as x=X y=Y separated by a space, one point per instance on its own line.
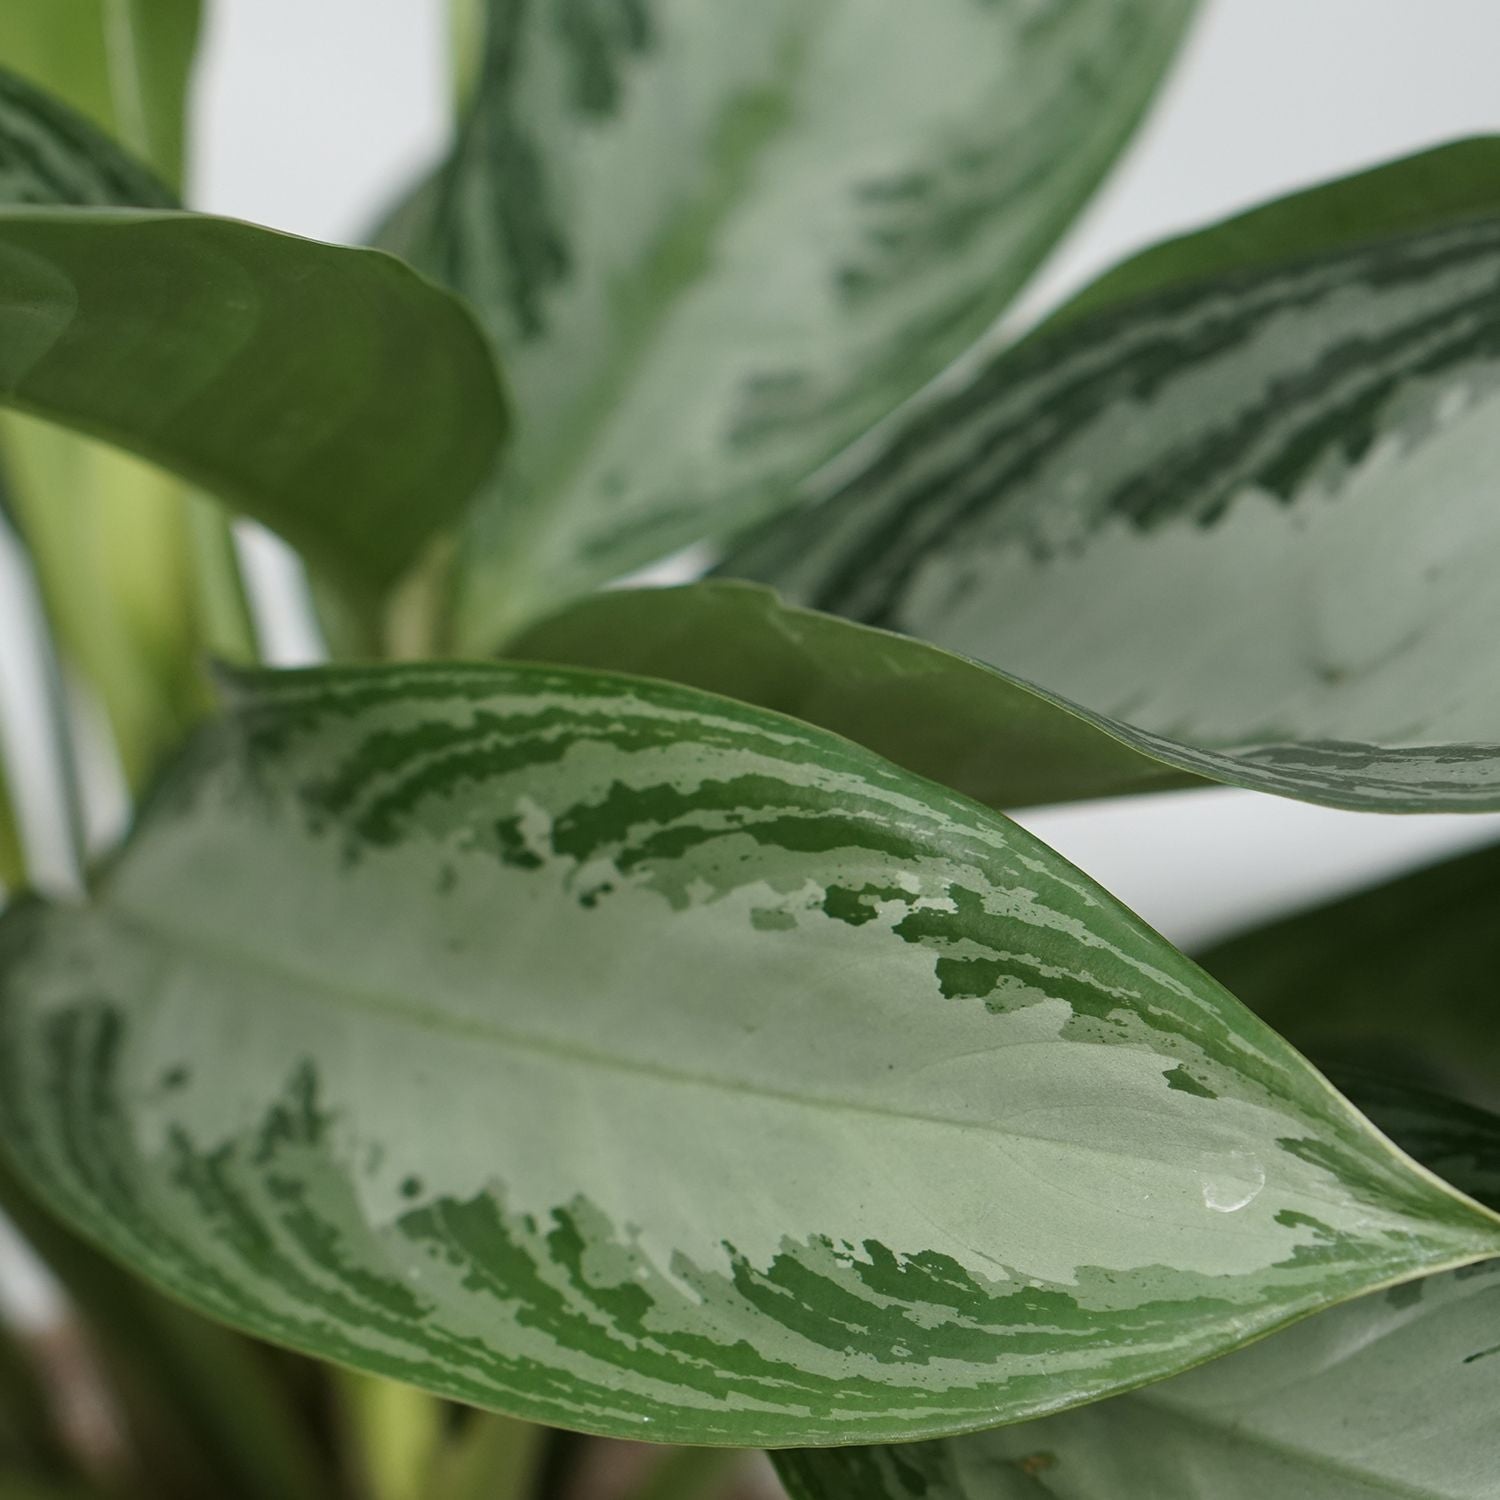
x=226 y=622
x=491 y=1458
x=110 y=544
x=12 y=861
x=394 y=1435
x=466 y=39
x=689 y=1474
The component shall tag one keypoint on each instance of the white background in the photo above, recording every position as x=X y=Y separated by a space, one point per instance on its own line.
x=311 y=113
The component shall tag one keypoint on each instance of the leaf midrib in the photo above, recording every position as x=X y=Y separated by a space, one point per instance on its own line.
x=396 y=1008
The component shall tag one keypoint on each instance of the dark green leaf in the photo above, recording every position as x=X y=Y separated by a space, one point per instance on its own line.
x=1393 y=1395
x=1000 y=741
x=716 y=243
x=1399 y=977
x=113 y=542
x=1248 y=516
x=623 y=1057
x=1444 y=185
x=329 y=392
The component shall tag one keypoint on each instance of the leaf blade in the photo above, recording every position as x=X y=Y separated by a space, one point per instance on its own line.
x=713 y=250
x=109 y=538
x=887 y=1180
x=331 y=393
x=1001 y=741
x=1390 y=1395
x=1231 y=466
x=1337 y=979
x=985 y=732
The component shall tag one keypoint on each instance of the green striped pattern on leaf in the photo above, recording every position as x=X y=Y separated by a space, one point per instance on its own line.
x=1393 y=1395
x=1246 y=518
x=125 y=64
x=715 y=243
x=623 y=1057
x=329 y=392
x=50 y=155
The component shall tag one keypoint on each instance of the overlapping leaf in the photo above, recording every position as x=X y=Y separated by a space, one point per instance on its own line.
x=125 y=64
x=49 y=155
x=111 y=540
x=1245 y=513
x=329 y=392
x=716 y=243
x=1393 y=1395
x=944 y=716
x=1398 y=977
x=632 y=1059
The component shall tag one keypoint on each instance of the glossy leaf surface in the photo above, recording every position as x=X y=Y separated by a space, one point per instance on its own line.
x=1398 y=977
x=1392 y=1395
x=328 y=392
x=109 y=538
x=716 y=243
x=1248 y=515
x=957 y=721
x=627 y=1058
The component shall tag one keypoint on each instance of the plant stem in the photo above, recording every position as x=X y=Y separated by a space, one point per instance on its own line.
x=688 y=1474
x=226 y=622
x=395 y=1432
x=492 y=1458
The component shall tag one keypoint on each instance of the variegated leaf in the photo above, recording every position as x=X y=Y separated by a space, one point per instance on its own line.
x=1248 y=516
x=329 y=392
x=715 y=242
x=1391 y=1396
x=1397 y=977
x=623 y=1057
x=51 y=155
x=126 y=64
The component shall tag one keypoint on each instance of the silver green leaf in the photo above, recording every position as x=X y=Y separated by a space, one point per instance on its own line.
x=626 y=1058
x=1339 y=979
x=331 y=393
x=1393 y=1395
x=1244 y=512
x=717 y=242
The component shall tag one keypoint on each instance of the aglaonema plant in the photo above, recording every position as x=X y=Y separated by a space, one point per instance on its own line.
x=629 y=1011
